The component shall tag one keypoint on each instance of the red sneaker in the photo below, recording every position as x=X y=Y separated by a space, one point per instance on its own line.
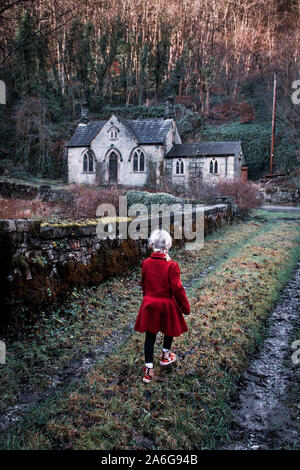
x=148 y=375
x=167 y=358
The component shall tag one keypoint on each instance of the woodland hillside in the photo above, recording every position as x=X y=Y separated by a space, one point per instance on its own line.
x=217 y=57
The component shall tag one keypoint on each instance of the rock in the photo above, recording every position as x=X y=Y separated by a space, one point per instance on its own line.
x=50 y=254
x=49 y=232
x=28 y=275
x=17 y=271
x=88 y=230
x=142 y=440
x=8 y=225
x=23 y=225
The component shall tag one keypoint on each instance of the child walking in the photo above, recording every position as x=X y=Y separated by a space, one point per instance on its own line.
x=164 y=301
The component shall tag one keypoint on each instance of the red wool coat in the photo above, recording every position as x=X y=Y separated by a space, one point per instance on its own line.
x=165 y=300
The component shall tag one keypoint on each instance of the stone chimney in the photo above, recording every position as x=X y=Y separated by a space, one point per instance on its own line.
x=169 y=110
x=84 y=113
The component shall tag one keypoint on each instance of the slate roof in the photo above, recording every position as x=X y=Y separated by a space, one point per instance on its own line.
x=127 y=124
x=146 y=131
x=150 y=131
x=85 y=133
x=205 y=149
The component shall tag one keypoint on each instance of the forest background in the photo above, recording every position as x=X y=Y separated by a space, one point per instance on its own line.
x=217 y=57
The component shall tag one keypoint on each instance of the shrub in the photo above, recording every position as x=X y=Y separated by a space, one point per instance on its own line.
x=247 y=195
x=188 y=123
x=201 y=190
x=11 y=208
x=286 y=152
x=86 y=200
x=147 y=198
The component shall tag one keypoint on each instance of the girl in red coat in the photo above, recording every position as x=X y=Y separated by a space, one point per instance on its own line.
x=164 y=301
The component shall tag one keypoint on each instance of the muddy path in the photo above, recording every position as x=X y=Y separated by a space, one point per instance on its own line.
x=262 y=417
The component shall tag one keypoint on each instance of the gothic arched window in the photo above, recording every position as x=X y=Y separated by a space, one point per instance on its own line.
x=88 y=162
x=113 y=133
x=211 y=167
x=216 y=166
x=179 y=167
x=138 y=160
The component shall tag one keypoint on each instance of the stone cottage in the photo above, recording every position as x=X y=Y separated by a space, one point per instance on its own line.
x=145 y=151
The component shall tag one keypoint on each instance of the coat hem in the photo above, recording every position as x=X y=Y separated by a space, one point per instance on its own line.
x=160 y=331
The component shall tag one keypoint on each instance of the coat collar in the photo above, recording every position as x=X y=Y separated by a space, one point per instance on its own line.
x=158 y=255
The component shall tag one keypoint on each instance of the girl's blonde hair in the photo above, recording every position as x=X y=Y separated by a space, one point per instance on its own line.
x=160 y=240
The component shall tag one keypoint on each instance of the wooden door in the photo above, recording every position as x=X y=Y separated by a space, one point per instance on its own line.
x=113 y=168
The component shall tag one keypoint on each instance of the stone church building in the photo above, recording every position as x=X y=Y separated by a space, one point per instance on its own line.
x=145 y=151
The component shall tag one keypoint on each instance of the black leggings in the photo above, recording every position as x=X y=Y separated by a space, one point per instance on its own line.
x=149 y=345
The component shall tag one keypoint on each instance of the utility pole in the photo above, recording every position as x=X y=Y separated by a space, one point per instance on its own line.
x=273 y=126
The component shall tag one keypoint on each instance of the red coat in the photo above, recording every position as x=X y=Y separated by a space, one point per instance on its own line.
x=165 y=300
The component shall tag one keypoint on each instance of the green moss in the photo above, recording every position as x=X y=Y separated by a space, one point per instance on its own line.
x=64 y=224
x=19 y=261
x=40 y=261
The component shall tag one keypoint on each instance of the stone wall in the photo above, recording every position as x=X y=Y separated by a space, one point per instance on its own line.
x=10 y=188
x=41 y=263
x=281 y=195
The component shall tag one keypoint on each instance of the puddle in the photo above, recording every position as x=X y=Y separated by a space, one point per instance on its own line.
x=262 y=418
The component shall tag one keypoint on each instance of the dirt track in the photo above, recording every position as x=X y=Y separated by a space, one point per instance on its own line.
x=262 y=416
